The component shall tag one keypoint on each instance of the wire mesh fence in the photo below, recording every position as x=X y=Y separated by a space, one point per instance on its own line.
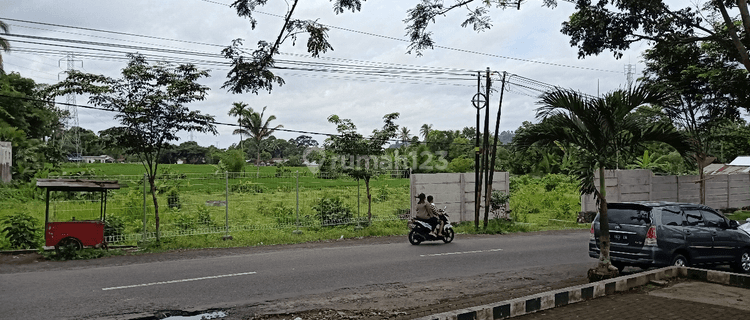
x=196 y=204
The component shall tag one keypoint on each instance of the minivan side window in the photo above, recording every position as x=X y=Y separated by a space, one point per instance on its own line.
x=713 y=220
x=671 y=218
x=693 y=218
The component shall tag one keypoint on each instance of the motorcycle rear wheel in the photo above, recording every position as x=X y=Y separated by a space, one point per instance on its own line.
x=448 y=235
x=414 y=238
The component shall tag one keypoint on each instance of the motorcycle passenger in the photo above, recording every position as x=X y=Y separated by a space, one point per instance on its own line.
x=430 y=200
x=425 y=212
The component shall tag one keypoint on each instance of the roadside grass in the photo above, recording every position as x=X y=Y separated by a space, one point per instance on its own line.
x=740 y=215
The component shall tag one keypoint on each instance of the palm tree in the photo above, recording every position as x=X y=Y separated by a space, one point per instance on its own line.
x=425 y=130
x=599 y=128
x=404 y=134
x=238 y=109
x=4 y=44
x=254 y=126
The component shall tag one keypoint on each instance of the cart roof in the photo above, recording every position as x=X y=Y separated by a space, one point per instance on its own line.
x=77 y=184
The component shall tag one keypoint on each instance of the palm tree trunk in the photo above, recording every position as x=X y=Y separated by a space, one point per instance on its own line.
x=603 y=220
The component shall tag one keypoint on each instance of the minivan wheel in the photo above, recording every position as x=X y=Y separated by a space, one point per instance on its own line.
x=743 y=262
x=680 y=261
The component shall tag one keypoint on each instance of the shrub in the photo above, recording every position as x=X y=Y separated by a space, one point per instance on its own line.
x=332 y=211
x=113 y=226
x=21 y=230
x=173 y=198
x=232 y=161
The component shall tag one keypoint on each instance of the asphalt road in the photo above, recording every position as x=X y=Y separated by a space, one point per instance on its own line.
x=196 y=284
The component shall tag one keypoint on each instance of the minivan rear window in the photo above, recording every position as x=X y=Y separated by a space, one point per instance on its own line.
x=628 y=216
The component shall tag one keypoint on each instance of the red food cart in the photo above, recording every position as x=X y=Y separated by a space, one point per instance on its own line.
x=76 y=233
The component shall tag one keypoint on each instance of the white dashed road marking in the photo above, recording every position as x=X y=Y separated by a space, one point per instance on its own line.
x=177 y=281
x=464 y=252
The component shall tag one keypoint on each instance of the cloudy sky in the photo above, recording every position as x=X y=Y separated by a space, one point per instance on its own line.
x=526 y=43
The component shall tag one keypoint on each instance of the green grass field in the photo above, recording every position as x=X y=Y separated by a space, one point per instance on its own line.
x=263 y=207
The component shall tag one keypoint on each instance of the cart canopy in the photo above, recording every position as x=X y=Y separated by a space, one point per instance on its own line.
x=77 y=184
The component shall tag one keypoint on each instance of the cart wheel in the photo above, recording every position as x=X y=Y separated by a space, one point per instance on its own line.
x=69 y=243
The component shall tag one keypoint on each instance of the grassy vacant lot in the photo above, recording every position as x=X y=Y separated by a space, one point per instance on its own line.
x=263 y=208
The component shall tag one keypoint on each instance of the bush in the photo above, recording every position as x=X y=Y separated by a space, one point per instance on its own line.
x=232 y=161
x=332 y=211
x=113 y=226
x=173 y=198
x=21 y=230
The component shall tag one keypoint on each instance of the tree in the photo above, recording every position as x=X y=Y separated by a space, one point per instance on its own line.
x=360 y=156
x=707 y=92
x=257 y=129
x=425 y=131
x=149 y=101
x=238 y=110
x=615 y=25
x=304 y=141
x=4 y=44
x=600 y=128
x=28 y=122
x=404 y=134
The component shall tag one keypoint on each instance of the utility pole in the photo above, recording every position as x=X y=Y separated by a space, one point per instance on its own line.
x=479 y=101
x=72 y=111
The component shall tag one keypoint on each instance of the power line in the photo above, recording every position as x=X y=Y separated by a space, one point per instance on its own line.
x=440 y=47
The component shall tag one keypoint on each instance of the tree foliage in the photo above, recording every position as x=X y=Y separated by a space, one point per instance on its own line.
x=615 y=25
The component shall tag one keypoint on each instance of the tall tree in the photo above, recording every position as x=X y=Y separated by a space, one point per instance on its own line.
x=600 y=128
x=362 y=155
x=707 y=90
x=424 y=130
x=149 y=101
x=4 y=44
x=239 y=110
x=257 y=129
x=404 y=134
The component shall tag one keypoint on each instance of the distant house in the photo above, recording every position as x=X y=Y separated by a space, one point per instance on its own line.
x=740 y=164
x=101 y=159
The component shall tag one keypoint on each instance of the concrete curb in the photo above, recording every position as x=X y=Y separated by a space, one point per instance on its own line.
x=547 y=300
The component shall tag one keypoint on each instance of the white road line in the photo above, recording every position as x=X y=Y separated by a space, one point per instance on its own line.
x=464 y=252
x=177 y=281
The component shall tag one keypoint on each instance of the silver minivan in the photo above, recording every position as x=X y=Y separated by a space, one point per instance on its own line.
x=655 y=234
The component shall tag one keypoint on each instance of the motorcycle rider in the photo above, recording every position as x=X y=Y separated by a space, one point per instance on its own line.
x=425 y=212
x=434 y=209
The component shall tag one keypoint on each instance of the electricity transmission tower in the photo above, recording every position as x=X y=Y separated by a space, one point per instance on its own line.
x=71 y=121
x=629 y=72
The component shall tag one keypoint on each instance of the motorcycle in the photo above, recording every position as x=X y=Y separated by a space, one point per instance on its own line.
x=420 y=231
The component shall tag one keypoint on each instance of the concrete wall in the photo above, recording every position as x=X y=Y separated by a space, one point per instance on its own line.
x=6 y=161
x=454 y=190
x=722 y=191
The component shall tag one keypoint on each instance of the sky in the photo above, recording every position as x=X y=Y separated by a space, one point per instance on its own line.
x=525 y=43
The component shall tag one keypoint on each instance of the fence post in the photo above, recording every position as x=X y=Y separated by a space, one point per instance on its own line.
x=144 y=206
x=226 y=207
x=296 y=178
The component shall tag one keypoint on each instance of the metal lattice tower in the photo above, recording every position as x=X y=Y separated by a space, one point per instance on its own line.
x=72 y=110
x=629 y=72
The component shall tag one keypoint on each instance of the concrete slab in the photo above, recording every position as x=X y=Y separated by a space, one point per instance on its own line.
x=710 y=293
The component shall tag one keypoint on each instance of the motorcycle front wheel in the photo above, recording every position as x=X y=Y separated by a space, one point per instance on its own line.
x=414 y=238
x=448 y=235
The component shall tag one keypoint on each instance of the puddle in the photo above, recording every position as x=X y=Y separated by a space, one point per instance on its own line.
x=209 y=315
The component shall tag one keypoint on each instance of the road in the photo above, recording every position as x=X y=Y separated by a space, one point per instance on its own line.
x=133 y=290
